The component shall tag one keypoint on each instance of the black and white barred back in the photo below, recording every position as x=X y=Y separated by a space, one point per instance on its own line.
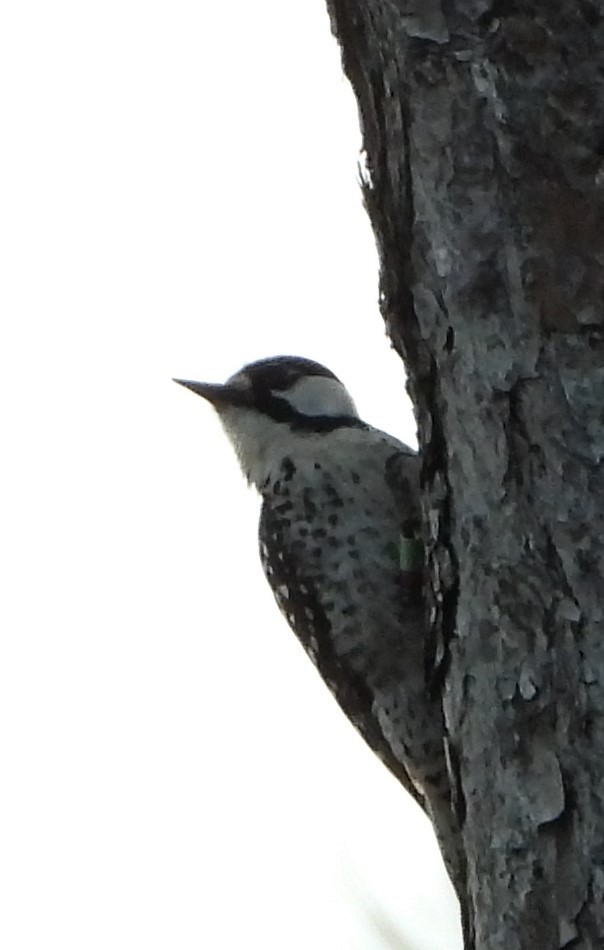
x=331 y=538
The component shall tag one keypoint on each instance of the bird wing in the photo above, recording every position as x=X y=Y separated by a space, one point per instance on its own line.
x=297 y=597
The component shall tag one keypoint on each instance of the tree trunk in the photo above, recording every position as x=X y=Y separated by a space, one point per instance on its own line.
x=483 y=129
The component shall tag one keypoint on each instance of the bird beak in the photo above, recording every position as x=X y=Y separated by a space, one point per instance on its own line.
x=217 y=393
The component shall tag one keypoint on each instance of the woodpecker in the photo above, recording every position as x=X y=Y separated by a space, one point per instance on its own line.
x=340 y=544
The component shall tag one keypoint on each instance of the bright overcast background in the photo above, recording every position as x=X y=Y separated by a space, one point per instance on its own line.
x=179 y=196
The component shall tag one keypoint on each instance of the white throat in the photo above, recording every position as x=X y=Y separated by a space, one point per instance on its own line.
x=261 y=442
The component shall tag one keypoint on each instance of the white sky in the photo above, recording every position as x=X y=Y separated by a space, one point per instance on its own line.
x=179 y=196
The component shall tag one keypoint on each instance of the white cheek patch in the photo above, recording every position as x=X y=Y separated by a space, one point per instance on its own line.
x=320 y=396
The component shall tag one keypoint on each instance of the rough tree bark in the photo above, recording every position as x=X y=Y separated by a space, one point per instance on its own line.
x=483 y=129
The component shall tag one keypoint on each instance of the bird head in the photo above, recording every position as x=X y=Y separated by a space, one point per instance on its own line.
x=269 y=403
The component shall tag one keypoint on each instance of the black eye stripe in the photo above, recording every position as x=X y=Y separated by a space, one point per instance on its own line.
x=282 y=411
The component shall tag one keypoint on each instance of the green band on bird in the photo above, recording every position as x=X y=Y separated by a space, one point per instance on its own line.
x=410 y=554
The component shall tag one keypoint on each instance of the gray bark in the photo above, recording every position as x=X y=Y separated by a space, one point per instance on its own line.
x=483 y=129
